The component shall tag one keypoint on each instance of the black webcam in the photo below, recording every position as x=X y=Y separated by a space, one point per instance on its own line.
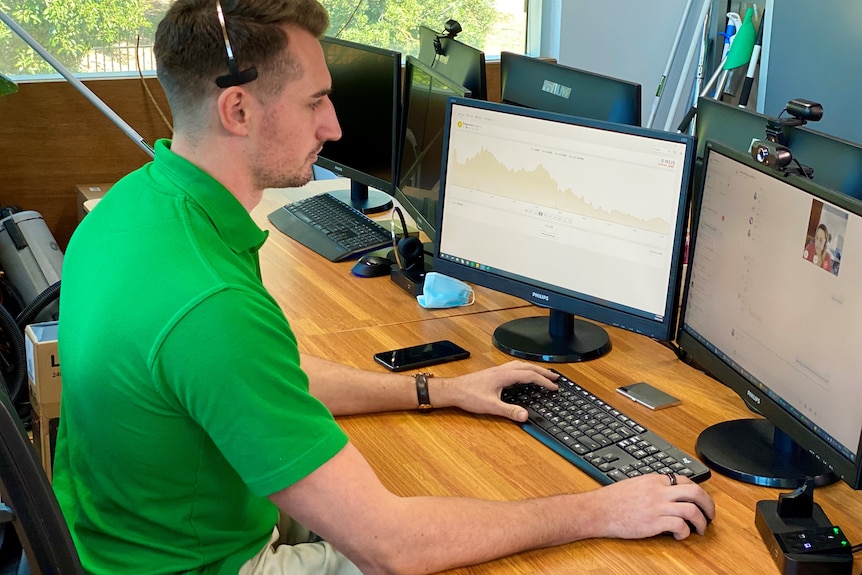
x=804 y=110
x=771 y=154
x=450 y=29
x=773 y=151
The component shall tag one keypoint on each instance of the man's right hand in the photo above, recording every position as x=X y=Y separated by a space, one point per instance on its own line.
x=649 y=505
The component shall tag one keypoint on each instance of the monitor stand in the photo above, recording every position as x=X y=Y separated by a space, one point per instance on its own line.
x=367 y=201
x=559 y=338
x=755 y=451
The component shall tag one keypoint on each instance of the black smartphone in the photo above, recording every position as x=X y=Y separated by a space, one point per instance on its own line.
x=421 y=355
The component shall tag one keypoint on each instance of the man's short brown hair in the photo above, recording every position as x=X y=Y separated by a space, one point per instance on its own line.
x=190 y=49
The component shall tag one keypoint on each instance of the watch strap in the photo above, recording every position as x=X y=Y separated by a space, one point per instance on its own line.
x=422 y=395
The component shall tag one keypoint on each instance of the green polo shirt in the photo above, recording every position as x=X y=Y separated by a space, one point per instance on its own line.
x=183 y=402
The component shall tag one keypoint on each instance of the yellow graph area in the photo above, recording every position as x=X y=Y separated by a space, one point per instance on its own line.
x=485 y=173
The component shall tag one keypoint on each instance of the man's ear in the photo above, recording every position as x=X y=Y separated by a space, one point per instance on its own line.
x=233 y=110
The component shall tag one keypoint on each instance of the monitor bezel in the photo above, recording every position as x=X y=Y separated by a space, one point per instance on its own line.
x=586 y=307
x=756 y=400
x=508 y=59
x=411 y=63
x=357 y=175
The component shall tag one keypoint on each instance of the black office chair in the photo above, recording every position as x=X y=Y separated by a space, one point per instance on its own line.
x=30 y=516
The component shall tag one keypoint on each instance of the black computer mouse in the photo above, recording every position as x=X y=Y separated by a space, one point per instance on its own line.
x=369 y=266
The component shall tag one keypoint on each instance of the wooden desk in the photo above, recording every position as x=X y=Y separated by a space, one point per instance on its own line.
x=319 y=296
x=449 y=452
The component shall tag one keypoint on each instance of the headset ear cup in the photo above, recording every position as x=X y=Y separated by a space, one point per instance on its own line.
x=412 y=253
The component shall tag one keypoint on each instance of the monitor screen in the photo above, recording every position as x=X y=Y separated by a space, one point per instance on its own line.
x=366 y=93
x=772 y=310
x=583 y=217
x=426 y=93
x=837 y=163
x=460 y=62
x=543 y=85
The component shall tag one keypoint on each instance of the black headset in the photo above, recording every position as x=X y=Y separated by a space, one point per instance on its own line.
x=235 y=77
x=409 y=251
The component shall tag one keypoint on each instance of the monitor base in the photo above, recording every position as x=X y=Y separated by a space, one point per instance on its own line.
x=750 y=450
x=534 y=339
x=372 y=202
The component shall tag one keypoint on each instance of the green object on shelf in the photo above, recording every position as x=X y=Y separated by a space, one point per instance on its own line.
x=7 y=86
x=743 y=43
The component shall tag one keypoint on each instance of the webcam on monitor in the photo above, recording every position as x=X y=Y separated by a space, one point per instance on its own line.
x=450 y=29
x=773 y=151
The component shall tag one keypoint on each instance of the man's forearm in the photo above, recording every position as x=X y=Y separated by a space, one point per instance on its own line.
x=347 y=390
x=454 y=532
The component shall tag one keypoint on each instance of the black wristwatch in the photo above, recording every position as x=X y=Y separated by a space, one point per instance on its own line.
x=422 y=391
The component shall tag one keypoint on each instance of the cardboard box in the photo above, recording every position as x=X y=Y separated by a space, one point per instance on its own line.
x=43 y=364
x=86 y=192
x=46 y=422
x=45 y=383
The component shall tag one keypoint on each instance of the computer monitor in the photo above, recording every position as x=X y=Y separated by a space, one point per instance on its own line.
x=579 y=216
x=460 y=62
x=553 y=87
x=426 y=93
x=777 y=319
x=366 y=93
x=837 y=163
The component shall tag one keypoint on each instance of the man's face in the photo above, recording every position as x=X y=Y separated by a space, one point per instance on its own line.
x=298 y=121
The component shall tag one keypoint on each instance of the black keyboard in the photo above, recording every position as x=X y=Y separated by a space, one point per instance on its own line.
x=331 y=228
x=598 y=438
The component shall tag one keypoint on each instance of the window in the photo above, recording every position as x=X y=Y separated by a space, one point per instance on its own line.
x=116 y=36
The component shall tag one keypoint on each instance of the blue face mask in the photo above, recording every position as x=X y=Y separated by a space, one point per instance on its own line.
x=441 y=291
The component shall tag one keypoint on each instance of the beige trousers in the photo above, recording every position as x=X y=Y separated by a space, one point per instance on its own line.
x=293 y=549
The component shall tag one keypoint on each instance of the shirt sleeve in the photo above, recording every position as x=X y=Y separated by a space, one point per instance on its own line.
x=231 y=362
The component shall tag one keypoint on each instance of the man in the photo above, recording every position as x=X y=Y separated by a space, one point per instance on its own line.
x=194 y=435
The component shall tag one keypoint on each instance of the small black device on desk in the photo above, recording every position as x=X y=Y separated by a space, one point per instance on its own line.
x=330 y=227
x=596 y=437
x=421 y=355
x=800 y=537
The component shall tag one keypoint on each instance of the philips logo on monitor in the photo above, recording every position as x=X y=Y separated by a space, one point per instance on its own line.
x=556 y=89
x=540 y=296
x=754 y=398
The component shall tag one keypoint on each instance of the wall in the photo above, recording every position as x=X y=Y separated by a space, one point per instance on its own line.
x=812 y=52
x=52 y=139
x=631 y=40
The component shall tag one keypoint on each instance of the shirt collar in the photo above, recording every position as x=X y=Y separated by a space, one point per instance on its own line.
x=228 y=215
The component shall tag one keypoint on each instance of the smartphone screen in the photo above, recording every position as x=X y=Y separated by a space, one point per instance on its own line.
x=421 y=355
x=647 y=395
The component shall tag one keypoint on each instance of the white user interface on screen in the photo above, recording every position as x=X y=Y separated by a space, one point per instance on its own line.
x=583 y=210
x=784 y=314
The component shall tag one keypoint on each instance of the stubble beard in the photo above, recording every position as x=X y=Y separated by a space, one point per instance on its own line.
x=273 y=178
